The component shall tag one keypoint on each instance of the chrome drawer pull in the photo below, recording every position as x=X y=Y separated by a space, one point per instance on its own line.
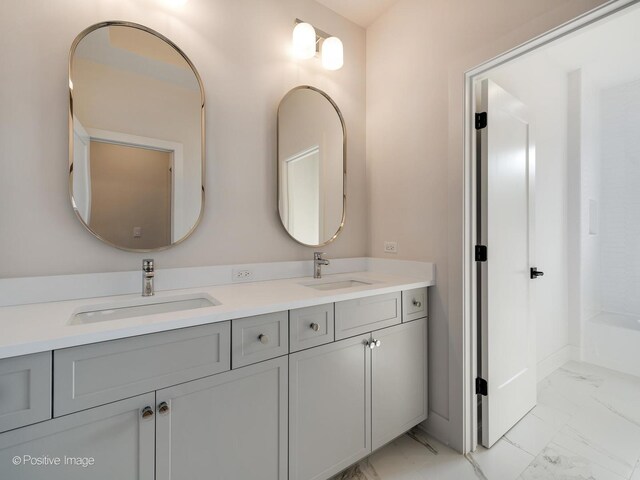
x=315 y=327
x=263 y=339
x=373 y=343
x=417 y=303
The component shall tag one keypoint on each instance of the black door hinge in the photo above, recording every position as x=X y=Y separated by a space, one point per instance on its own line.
x=481 y=253
x=481 y=120
x=481 y=387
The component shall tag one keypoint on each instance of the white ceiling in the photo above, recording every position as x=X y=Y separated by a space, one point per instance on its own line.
x=362 y=12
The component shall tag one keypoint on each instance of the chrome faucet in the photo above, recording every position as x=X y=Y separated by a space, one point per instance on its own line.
x=147 y=277
x=318 y=261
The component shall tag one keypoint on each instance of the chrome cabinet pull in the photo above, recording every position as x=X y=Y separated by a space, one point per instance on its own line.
x=417 y=303
x=147 y=412
x=373 y=343
x=263 y=339
x=163 y=408
x=315 y=327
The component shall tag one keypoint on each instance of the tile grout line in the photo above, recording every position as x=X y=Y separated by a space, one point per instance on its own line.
x=476 y=467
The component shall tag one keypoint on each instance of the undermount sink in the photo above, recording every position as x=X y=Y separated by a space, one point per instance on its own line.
x=140 y=308
x=337 y=284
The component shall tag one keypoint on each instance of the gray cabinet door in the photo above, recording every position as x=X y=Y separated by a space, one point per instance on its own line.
x=25 y=390
x=329 y=408
x=398 y=380
x=115 y=436
x=231 y=426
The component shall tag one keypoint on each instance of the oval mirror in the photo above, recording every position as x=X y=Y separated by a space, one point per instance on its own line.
x=311 y=166
x=136 y=144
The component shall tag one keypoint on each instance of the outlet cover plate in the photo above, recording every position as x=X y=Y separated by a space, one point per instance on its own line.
x=390 y=247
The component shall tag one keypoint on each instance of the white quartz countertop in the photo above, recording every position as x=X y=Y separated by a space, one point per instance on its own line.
x=40 y=327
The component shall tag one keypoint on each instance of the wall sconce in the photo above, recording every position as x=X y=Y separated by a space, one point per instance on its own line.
x=332 y=53
x=309 y=41
x=304 y=40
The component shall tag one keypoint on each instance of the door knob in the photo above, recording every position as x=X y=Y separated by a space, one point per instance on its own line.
x=263 y=339
x=163 y=408
x=315 y=327
x=535 y=273
x=147 y=412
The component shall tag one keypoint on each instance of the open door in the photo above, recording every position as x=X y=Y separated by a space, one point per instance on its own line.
x=507 y=343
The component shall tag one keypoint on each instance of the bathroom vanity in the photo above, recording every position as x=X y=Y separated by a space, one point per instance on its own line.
x=294 y=393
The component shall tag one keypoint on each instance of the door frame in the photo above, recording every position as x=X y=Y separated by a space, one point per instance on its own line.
x=470 y=204
x=176 y=150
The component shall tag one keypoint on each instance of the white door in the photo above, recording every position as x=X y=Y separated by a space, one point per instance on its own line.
x=304 y=218
x=506 y=195
x=81 y=171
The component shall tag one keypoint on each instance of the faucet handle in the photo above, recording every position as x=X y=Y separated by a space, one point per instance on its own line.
x=147 y=265
x=318 y=255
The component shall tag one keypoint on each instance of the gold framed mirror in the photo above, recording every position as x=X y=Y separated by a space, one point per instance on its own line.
x=312 y=166
x=136 y=137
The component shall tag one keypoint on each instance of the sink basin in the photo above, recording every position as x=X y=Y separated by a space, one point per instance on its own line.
x=337 y=284
x=140 y=308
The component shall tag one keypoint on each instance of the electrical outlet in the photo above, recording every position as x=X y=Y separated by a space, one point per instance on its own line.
x=390 y=247
x=242 y=275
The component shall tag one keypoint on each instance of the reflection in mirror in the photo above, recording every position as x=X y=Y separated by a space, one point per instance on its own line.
x=137 y=149
x=311 y=166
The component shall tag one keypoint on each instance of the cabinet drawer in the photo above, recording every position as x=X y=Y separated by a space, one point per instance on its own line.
x=310 y=327
x=415 y=304
x=25 y=390
x=254 y=339
x=100 y=373
x=354 y=317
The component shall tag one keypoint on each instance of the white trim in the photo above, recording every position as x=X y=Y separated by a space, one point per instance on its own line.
x=469 y=200
x=81 y=132
x=177 y=183
x=556 y=360
x=286 y=198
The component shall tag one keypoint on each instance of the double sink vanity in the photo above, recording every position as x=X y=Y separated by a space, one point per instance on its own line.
x=284 y=379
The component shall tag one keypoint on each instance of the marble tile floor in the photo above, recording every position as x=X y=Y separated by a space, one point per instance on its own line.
x=586 y=426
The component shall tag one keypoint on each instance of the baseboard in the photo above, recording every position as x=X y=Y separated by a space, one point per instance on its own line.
x=436 y=426
x=556 y=360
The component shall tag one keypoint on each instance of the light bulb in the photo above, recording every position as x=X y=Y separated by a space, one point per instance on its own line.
x=332 y=53
x=304 y=40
